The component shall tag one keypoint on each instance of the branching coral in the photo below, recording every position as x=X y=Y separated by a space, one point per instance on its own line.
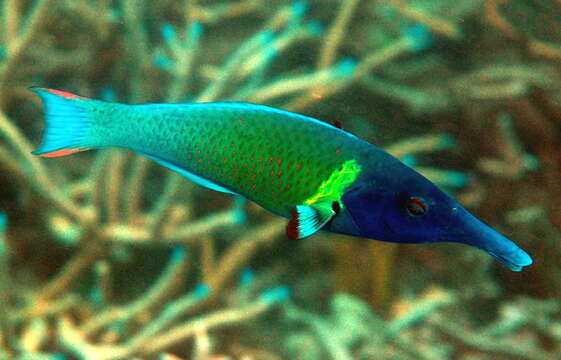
x=142 y=263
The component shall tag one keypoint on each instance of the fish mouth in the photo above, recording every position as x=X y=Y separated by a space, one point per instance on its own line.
x=515 y=261
x=476 y=233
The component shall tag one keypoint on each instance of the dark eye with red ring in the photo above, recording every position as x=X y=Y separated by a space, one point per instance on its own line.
x=416 y=206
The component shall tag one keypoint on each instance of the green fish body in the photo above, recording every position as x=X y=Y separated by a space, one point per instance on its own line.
x=298 y=167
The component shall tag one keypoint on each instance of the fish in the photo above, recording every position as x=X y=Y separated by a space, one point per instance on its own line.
x=316 y=174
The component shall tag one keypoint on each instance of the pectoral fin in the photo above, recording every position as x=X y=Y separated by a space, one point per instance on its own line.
x=308 y=219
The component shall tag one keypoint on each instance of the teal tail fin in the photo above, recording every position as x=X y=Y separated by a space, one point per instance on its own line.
x=67 y=123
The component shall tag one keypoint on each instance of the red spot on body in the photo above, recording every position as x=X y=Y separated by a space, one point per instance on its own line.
x=190 y=156
x=273 y=192
x=287 y=187
x=270 y=160
x=240 y=121
x=253 y=176
x=62 y=152
x=244 y=164
x=253 y=186
x=200 y=160
x=225 y=160
x=272 y=173
x=279 y=162
x=309 y=171
x=338 y=152
x=65 y=95
x=262 y=168
x=337 y=124
x=279 y=173
x=299 y=166
x=198 y=152
x=262 y=156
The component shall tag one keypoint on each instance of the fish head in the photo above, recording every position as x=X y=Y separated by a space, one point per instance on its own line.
x=411 y=209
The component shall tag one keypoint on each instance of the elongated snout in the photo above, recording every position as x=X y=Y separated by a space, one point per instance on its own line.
x=469 y=230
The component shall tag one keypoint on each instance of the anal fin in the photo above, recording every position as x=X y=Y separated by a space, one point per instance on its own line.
x=188 y=174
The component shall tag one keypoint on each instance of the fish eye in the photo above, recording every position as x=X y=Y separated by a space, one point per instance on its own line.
x=416 y=206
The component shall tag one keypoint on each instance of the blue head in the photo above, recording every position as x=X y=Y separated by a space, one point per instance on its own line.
x=400 y=205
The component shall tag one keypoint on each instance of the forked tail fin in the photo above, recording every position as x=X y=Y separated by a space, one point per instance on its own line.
x=67 y=123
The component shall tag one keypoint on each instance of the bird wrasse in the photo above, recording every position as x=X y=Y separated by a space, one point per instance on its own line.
x=314 y=173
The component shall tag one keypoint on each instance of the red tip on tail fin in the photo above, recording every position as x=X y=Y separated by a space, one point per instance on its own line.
x=68 y=123
x=63 y=94
x=62 y=152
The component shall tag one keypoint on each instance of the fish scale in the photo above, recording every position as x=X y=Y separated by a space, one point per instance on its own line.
x=261 y=154
x=248 y=159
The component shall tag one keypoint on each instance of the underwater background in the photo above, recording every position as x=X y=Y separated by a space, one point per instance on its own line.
x=105 y=255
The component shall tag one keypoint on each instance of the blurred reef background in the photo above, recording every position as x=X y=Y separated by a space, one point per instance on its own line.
x=104 y=255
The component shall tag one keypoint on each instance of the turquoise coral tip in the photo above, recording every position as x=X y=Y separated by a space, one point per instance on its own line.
x=266 y=36
x=3 y=225
x=457 y=179
x=419 y=36
x=298 y=9
x=277 y=294
x=168 y=32
x=163 y=62
x=195 y=30
x=178 y=253
x=347 y=66
x=246 y=277
x=3 y=221
x=409 y=160
x=315 y=28
x=446 y=141
x=201 y=291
